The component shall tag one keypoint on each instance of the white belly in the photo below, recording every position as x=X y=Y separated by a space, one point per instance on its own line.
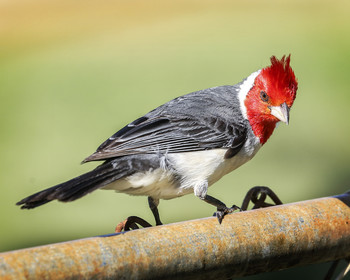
x=195 y=169
x=157 y=183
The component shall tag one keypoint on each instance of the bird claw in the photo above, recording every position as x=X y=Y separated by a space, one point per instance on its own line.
x=222 y=212
x=132 y=222
x=258 y=195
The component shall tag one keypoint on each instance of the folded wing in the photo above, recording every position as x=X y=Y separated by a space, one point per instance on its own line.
x=165 y=135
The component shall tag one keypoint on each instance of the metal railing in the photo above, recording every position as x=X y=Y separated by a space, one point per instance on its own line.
x=245 y=243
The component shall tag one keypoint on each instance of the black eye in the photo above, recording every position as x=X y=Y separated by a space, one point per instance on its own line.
x=264 y=97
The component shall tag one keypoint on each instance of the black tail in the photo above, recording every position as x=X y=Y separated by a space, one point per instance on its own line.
x=77 y=187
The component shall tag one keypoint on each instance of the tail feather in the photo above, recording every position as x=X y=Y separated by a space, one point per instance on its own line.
x=76 y=187
x=75 y=191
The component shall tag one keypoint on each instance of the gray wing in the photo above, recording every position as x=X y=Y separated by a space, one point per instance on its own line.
x=176 y=128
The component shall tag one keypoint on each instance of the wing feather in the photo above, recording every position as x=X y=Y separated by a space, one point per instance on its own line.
x=164 y=136
x=181 y=125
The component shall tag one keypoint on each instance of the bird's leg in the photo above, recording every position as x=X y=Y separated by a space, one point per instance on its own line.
x=153 y=203
x=221 y=207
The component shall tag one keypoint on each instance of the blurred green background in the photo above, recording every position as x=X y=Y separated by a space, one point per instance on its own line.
x=74 y=72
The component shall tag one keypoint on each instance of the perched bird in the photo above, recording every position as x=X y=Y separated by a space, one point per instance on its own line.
x=187 y=144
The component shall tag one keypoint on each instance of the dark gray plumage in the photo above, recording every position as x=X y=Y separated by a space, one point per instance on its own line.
x=198 y=121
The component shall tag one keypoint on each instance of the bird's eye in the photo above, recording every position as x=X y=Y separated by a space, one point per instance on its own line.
x=264 y=97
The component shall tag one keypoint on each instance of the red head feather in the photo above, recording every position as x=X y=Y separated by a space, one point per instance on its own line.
x=281 y=80
x=273 y=86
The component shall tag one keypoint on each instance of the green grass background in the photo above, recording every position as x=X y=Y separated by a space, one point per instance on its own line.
x=74 y=72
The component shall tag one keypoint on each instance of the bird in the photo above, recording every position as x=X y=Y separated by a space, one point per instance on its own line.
x=187 y=144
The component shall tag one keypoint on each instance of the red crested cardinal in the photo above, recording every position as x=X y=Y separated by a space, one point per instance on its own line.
x=187 y=144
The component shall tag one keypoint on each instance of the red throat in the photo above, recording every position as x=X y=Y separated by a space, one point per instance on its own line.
x=262 y=126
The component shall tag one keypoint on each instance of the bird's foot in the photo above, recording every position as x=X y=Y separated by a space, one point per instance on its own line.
x=222 y=211
x=258 y=195
x=132 y=222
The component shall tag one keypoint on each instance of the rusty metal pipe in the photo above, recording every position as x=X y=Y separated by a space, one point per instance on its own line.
x=245 y=243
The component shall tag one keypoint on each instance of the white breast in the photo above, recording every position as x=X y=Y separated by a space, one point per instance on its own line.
x=207 y=167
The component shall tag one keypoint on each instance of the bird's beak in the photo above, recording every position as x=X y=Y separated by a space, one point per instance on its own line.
x=281 y=112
